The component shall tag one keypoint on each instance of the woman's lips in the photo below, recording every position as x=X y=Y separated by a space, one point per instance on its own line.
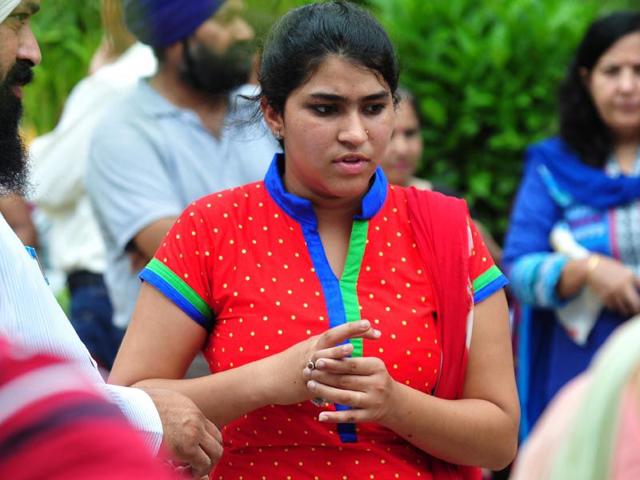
x=352 y=164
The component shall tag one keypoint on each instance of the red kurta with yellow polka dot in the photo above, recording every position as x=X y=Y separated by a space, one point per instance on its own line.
x=247 y=264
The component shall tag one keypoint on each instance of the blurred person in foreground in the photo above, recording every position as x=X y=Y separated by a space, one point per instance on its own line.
x=351 y=326
x=179 y=135
x=584 y=184
x=403 y=157
x=29 y=313
x=59 y=164
x=55 y=424
x=591 y=429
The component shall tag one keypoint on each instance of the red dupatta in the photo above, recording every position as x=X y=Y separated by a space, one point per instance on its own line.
x=441 y=232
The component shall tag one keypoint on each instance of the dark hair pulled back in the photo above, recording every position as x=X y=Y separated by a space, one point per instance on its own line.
x=581 y=127
x=300 y=41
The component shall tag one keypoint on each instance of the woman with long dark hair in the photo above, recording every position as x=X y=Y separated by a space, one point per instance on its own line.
x=573 y=247
x=353 y=329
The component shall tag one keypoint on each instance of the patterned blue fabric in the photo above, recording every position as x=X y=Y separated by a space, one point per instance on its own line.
x=535 y=276
x=585 y=185
x=557 y=188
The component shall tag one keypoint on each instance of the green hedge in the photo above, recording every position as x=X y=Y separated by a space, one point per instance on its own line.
x=68 y=32
x=486 y=73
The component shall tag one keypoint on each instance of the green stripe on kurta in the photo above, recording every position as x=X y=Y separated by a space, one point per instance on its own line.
x=180 y=286
x=486 y=278
x=349 y=280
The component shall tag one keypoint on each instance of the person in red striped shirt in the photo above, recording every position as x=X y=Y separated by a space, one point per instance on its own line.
x=55 y=424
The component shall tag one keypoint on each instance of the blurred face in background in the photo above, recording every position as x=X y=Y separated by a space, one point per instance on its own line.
x=405 y=149
x=614 y=84
x=19 y=52
x=220 y=53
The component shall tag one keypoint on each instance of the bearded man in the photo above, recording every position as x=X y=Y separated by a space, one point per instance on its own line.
x=19 y=53
x=29 y=313
x=179 y=135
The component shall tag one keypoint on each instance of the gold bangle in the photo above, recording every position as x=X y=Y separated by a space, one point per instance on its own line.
x=592 y=263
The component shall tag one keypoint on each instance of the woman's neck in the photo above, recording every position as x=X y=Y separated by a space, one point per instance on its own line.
x=338 y=213
x=626 y=154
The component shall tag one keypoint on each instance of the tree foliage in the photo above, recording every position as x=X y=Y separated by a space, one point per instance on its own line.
x=486 y=74
x=68 y=33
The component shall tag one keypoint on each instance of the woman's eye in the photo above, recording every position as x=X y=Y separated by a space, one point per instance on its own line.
x=324 y=109
x=374 y=108
x=612 y=71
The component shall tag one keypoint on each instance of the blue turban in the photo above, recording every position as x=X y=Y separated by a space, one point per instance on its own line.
x=160 y=23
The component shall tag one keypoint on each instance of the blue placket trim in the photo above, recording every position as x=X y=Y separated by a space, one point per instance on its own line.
x=301 y=210
x=335 y=307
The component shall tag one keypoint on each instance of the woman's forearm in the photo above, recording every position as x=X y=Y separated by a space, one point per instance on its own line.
x=227 y=395
x=465 y=432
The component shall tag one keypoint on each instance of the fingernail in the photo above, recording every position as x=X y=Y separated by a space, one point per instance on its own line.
x=377 y=333
x=364 y=324
x=322 y=417
x=311 y=385
x=320 y=363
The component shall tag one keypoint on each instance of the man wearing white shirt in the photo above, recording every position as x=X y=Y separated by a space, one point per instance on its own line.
x=59 y=162
x=29 y=313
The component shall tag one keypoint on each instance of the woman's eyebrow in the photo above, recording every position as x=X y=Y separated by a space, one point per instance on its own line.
x=332 y=97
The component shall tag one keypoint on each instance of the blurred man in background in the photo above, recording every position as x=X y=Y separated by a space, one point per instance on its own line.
x=177 y=136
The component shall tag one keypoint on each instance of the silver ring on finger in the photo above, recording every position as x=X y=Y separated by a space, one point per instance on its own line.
x=319 y=402
x=311 y=365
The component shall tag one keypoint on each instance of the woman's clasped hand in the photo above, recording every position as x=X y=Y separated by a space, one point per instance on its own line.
x=616 y=285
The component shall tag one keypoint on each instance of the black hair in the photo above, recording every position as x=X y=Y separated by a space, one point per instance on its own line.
x=299 y=42
x=160 y=53
x=580 y=124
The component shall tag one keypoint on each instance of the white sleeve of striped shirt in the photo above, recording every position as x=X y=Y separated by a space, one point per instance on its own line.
x=139 y=409
x=31 y=316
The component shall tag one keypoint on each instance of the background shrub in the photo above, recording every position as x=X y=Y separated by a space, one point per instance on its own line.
x=485 y=71
x=68 y=33
x=486 y=74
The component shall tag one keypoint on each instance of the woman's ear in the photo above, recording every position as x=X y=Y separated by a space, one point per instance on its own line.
x=274 y=119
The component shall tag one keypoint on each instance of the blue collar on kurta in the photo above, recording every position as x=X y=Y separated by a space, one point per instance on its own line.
x=301 y=209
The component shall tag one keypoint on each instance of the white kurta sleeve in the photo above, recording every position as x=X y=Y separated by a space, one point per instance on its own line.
x=139 y=409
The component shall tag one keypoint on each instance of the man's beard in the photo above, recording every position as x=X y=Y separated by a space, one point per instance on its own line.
x=216 y=74
x=13 y=164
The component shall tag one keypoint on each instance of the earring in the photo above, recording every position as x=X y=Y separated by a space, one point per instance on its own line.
x=278 y=135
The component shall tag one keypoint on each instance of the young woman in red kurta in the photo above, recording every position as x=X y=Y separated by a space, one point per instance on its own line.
x=324 y=283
